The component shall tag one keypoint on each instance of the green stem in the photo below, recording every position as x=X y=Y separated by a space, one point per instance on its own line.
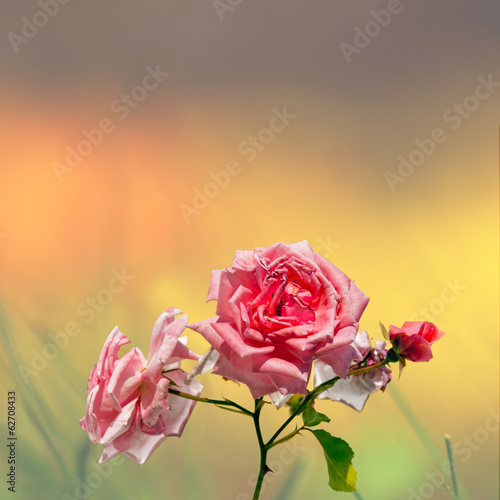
x=450 y=492
x=217 y=402
x=310 y=396
x=318 y=390
x=286 y=438
x=299 y=410
x=369 y=368
x=263 y=449
x=452 y=465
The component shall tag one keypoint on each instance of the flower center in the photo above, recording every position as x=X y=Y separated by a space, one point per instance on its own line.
x=294 y=302
x=283 y=307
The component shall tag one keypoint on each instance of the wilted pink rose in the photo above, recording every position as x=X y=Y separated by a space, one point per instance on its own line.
x=129 y=408
x=355 y=390
x=414 y=339
x=279 y=308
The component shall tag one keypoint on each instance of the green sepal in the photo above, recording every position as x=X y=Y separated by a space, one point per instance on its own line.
x=385 y=333
x=171 y=370
x=392 y=356
x=171 y=382
x=402 y=364
x=342 y=475
x=311 y=417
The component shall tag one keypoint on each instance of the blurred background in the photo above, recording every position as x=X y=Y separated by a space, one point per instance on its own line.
x=151 y=140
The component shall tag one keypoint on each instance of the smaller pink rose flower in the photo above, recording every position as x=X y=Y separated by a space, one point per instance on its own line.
x=356 y=389
x=129 y=408
x=414 y=339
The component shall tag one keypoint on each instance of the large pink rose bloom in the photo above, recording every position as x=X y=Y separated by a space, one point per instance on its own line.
x=129 y=409
x=279 y=308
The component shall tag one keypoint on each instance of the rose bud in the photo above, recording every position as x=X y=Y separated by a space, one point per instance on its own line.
x=414 y=339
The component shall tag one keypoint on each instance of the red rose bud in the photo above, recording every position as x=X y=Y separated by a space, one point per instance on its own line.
x=414 y=339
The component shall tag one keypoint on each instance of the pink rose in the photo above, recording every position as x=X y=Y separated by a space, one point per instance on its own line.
x=355 y=390
x=279 y=308
x=129 y=409
x=414 y=339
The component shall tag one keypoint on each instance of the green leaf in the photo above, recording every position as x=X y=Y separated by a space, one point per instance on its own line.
x=294 y=402
x=338 y=456
x=311 y=417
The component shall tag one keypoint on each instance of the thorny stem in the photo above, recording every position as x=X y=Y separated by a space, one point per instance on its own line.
x=286 y=438
x=259 y=403
x=218 y=402
x=263 y=449
x=369 y=368
x=318 y=390
x=299 y=410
